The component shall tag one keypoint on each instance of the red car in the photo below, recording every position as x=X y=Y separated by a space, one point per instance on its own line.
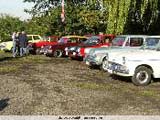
x=78 y=52
x=35 y=47
x=58 y=50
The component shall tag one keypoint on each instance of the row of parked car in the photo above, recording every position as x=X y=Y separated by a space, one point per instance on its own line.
x=134 y=56
x=137 y=57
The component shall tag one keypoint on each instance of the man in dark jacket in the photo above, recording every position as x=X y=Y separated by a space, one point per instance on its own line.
x=23 y=43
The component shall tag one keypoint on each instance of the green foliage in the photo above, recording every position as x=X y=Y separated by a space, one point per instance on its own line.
x=81 y=17
x=8 y=25
x=87 y=16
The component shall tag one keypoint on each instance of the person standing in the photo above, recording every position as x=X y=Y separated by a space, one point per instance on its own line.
x=14 y=39
x=23 y=43
x=17 y=43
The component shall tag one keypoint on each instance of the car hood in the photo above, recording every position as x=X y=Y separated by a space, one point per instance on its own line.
x=112 y=49
x=82 y=45
x=98 y=50
x=6 y=43
x=134 y=55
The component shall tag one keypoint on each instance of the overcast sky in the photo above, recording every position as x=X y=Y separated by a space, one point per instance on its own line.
x=15 y=8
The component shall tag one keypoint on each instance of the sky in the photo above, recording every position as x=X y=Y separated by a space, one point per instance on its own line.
x=15 y=8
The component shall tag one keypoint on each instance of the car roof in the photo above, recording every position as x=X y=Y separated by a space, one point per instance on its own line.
x=32 y=35
x=153 y=36
x=132 y=35
x=73 y=36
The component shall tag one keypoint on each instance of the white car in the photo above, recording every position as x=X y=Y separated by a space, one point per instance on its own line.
x=97 y=56
x=8 y=45
x=141 y=65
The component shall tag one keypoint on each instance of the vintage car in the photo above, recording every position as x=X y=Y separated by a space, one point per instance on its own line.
x=58 y=50
x=37 y=47
x=78 y=52
x=97 y=56
x=8 y=45
x=141 y=65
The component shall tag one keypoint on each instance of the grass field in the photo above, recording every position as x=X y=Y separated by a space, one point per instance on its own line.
x=38 y=85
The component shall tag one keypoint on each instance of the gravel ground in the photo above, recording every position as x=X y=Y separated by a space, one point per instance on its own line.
x=38 y=85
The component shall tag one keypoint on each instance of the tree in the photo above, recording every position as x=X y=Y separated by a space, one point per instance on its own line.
x=110 y=16
x=8 y=25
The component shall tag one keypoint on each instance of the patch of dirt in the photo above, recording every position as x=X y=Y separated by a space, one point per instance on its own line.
x=59 y=86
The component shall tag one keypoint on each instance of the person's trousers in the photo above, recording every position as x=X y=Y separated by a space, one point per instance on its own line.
x=14 y=50
x=22 y=51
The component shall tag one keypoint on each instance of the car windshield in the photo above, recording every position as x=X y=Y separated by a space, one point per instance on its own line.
x=62 y=40
x=152 y=43
x=92 y=40
x=118 y=41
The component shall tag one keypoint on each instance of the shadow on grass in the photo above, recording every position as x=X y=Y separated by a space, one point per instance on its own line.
x=8 y=58
x=4 y=103
x=5 y=58
x=120 y=78
x=128 y=79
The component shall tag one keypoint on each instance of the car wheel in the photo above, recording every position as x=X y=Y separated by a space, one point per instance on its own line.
x=142 y=76
x=58 y=53
x=38 y=51
x=104 y=64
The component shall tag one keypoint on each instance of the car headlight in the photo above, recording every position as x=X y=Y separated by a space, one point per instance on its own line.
x=66 y=49
x=78 y=50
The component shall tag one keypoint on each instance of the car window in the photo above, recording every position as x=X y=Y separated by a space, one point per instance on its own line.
x=52 y=38
x=63 y=40
x=118 y=41
x=80 y=40
x=29 y=38
x=136 y=42
x=72 y=40
x=92 y=40
x=152 y=41
x=107 y=40
x=36 y=37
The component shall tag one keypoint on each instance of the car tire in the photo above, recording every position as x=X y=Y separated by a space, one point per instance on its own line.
x=104 y=64
x=142 y=76
x=58 y=53
x=37 y=51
